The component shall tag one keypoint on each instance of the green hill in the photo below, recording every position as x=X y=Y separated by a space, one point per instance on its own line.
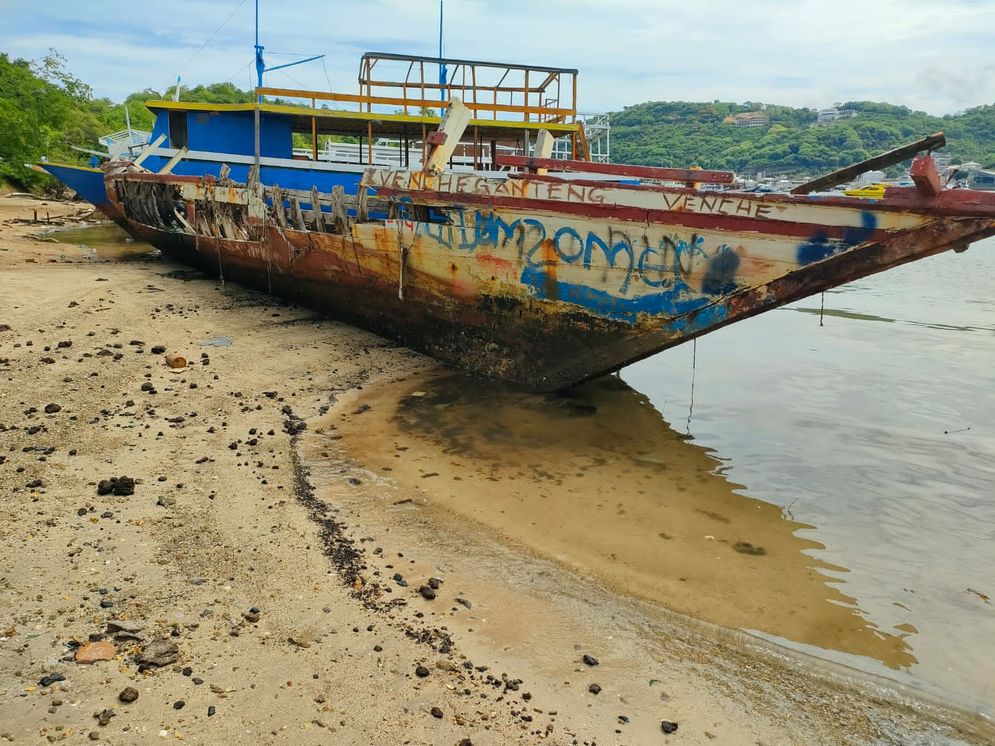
x=680 y=133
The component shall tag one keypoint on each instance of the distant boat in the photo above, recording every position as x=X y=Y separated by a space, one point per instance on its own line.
x=869 y=191
x=973 y=176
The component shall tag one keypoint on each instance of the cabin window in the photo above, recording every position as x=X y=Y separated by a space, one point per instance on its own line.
x=178 y=129
x=986 y=179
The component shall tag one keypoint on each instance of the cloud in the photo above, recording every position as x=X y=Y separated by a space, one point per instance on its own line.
x=961 y=85
x=800 y=52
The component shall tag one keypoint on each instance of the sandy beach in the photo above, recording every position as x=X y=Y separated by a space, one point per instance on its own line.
x=260 y=570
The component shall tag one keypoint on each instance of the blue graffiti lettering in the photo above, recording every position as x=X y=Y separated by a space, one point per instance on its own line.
x=575 y=237
x=540 y=238
x=665 y=266
x=492 y=229
x=684 y=253
x=820 y=246
x=622 y=246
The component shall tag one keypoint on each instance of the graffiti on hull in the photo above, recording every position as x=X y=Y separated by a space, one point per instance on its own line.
x=624 y=274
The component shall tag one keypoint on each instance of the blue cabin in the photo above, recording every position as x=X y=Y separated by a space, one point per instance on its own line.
x=310 y=144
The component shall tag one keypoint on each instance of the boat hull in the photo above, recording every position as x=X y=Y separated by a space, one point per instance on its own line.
x=491 y=283
x=87 y=182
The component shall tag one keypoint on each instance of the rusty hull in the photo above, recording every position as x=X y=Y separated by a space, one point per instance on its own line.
x=532 y=279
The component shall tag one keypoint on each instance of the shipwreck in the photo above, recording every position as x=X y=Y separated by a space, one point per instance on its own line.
x=451 y=228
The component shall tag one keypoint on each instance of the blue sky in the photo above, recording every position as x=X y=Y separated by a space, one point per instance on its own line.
x=934 y=55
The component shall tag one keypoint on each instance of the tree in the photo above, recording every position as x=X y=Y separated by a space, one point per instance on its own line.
x=38 y=101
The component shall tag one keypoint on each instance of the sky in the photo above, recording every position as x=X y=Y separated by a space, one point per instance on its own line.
x=932 y=55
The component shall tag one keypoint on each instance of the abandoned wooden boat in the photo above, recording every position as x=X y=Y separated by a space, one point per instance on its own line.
x=537 y=277
x=302 y=139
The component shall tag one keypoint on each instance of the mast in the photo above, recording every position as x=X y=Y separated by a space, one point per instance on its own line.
x=260 y=64
x=443 y=74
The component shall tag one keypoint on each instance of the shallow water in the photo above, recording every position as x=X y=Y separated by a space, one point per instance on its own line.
x=105 y=242
x=831 y=488
x=876 y=429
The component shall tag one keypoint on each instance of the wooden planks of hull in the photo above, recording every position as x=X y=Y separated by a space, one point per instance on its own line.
x=534 y=280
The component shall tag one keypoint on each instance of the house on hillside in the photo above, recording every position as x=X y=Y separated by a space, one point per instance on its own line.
x=826 y=116
x=748 y=119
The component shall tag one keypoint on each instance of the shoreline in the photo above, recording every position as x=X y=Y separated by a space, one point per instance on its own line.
x=428 y=433
x=245 y=499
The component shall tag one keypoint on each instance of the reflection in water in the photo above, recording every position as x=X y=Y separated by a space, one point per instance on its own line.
x=879 y=429
x=853 y=315
x=105 y=242
x=599 y=480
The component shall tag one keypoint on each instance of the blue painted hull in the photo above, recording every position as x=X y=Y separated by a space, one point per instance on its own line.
x=88 y=183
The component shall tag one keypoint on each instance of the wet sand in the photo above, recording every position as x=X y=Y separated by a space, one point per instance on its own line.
x=600 y=481
x=264 y=547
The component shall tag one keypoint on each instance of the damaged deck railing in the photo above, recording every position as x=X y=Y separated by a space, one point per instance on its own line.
x=226 y=210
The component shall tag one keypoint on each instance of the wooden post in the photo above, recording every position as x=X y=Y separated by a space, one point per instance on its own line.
x=447 y=137
x=573 y=103
x=543 y=149
x=421 y=70
x=316 y=215
x=314 y=133
x=473 y=78
x=257 y=116
x=559 y=93
x=526 y=96
x=923 y=173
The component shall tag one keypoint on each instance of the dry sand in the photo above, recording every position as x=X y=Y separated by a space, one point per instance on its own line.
x=266 y=552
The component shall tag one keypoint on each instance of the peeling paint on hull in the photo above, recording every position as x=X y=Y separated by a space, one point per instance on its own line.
x=528 y=279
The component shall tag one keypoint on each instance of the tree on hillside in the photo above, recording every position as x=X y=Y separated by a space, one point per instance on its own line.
x=676 y=133
x=39 y=102
x=215 y=93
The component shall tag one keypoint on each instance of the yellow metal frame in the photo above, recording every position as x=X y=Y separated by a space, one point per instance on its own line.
x=359 y=116
x=546 y=94
x=531 y=107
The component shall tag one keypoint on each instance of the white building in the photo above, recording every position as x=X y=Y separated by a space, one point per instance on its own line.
x=825 y=116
